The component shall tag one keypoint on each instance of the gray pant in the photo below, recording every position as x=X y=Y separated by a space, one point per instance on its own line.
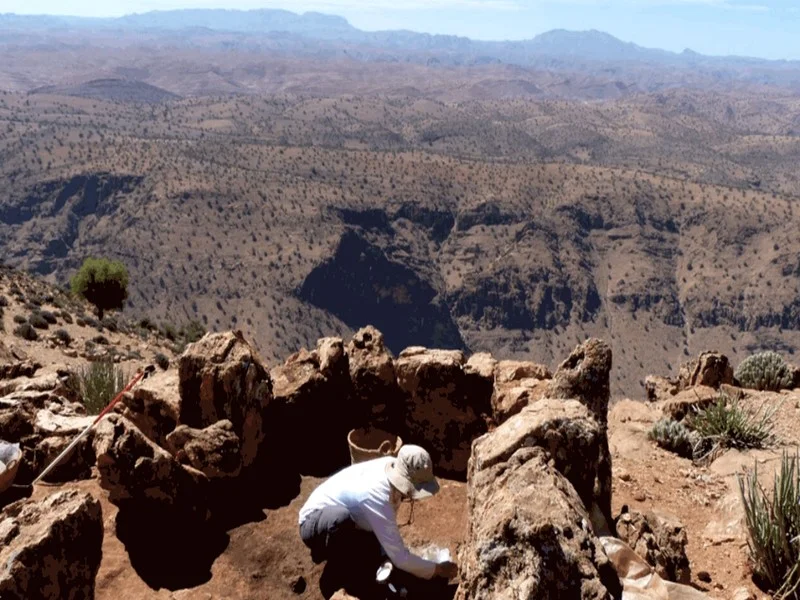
x=330 y=532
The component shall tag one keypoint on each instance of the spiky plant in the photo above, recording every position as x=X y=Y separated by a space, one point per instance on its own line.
x=764 y=371
x=728 y=424
x=773 y=528
x=99 y=383
x=673 y=436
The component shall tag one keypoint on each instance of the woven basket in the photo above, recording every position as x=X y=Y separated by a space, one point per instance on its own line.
x=368 y=443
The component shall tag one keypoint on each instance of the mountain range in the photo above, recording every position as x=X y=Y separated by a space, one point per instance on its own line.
x=590 y=45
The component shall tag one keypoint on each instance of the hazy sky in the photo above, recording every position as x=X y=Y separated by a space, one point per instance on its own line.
x=768 y=28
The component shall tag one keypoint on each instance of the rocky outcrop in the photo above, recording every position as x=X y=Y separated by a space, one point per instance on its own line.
x=51 y=549
x=711 y=369
x=222 y=377
x=43 y=423
x=442 y=412
x=214 y=451
x=313 y=402
x=660 y=388
x=154 y=405
x=585 y=376
x=660 y=540
x=15 y=363
x=373 y=378
x=529 y=533
x=683 y=403
x=517 y=384
x=138 y=473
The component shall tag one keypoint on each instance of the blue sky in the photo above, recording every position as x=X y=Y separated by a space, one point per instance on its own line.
x=765 y=28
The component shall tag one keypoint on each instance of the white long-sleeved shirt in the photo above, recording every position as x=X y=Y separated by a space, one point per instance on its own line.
x=365 y=491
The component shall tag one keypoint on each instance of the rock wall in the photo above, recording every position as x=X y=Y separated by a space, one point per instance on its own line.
x=540 y=488
x=530 y=533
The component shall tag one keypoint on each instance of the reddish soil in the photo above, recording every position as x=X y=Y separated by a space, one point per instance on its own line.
x=265 y=559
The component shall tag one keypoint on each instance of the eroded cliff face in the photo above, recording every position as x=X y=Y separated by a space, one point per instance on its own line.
x=52 y=218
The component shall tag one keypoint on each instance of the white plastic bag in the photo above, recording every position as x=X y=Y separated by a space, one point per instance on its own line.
x=435 y=554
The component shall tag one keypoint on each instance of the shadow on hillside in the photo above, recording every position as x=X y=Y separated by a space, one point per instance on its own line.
x=167 y=549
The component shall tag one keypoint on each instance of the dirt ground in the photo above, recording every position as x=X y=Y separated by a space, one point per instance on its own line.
x=264 y=558
x=261 y=560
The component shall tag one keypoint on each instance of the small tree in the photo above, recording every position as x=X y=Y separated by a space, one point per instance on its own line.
x=102 y=282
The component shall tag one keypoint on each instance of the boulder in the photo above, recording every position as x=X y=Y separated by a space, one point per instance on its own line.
x=585 y=376
x=15 y=363
x=529 y=533
x=442 y=412
x=683 y=403
x=136 y=471
x=660 y=540
x=508 y=400
x=372 y=373
x=710 y=369
x=43 y=423
x=154 y=405
x=517 y=384
x=54 y=432
x=222 y=377
x=314 y=410
x=564 y=428
x=479 y=370
x=51 y=549
x=215 y=450
x=333 y=360
x=508 y=371
x=660 y=388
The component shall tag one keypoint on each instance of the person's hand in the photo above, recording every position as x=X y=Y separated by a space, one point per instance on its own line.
x=447 y=570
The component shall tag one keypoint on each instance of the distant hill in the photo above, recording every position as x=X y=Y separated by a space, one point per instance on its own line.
x=119 y=90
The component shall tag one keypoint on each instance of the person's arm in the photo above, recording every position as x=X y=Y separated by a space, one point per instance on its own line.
x=383 y=521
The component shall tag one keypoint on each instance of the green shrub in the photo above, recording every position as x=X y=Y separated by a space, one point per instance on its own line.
x=102 y=282
x=99 y=383
x=110 y=324
x=773 y=528
x=37 y=320
x=63 y=336
x=19 y=319
x=193 y=331
x=168 y=330
x=26 y=332
x=727 y=424
x=101 y=340
x=3 y=301
x=66 y=317
x=49 y=317
x=162 y=360
x=764 y=371
x=80 y=322
x=674 y=436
